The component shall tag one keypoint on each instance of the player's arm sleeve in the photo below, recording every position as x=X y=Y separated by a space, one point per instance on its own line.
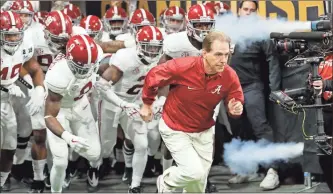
x=159 y=76
x=119 y=60
x=235 y=90
x=54 y=82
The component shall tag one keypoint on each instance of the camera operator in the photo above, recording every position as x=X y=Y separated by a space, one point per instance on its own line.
x=251 y=64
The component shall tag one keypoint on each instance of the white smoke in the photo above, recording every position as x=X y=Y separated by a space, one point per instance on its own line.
x=244 y=157
x=246 y=30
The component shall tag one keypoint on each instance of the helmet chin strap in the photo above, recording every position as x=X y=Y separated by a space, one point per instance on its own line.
x=142 y=59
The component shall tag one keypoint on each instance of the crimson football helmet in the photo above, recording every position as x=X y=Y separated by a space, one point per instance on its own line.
x=115 y=20
x=12 y=29
x=73 y=12
x=140 y=18
x=58 y=29
x=200 y=20
x=25 y=9
x=161 y=17
x=40 y=16
x=174 y=19
x=149 y=43
x=81 y=55
x=221 y=8
x=93 y=26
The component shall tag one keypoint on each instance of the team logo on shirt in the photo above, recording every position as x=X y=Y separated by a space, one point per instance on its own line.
x=217 y=89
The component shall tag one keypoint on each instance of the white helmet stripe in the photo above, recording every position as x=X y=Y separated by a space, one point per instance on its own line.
x=115 y=10
x=177 y=10
x=144 y=15
x=204 y=14
x=88 y=48
x=12 y=18
x=62 y=19
x=154 y=32
x=70 y=6
x=87 y=22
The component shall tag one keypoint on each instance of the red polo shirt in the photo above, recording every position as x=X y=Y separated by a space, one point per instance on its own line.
x=193 y=96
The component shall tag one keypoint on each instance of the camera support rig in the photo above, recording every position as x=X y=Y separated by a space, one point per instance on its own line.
x=285 y=100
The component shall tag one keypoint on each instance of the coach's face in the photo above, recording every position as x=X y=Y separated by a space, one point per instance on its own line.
x=218 y=56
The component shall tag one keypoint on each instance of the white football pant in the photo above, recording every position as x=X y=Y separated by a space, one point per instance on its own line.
x=145 y=140
x=80 y=122
x=193 y=153
x=109 y=116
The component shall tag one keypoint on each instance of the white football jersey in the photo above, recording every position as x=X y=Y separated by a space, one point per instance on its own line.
x=134 y=71
x=125 y=36
x=76 y=30
x=43 y=53
x=105 y=37
x=60 y=79
x=11 y=64
x=178 y=45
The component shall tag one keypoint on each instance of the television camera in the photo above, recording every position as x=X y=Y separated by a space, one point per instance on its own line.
x=307 y=48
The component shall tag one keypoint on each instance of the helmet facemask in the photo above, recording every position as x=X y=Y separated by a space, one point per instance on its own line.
x=26 y=17
x=115 y=26
x=174 y=24
x=80 y=71
x=56 y=43
x=199 y=29
x=150 y=51
x=11 y=40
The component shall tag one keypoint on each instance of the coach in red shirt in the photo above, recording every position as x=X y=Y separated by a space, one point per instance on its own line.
x=197 y=85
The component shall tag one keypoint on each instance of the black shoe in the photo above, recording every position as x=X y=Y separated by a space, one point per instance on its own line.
x=135 y=190
x=37 y=187
x=150 y=168
x=7 y=186
x=127 y=177
x=92 y=180
x=119 y=168
x=27 y=181
x=158 y=167
x=17 y=172
x=67 y=181
x=47 y=182
x=210 y=188
x=105 y=168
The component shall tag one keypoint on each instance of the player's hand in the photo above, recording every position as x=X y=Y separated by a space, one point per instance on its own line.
x=318 y=85
x=132 y=110
x=36 y=102
x=102 y=86
x=14 y=90
x=146 y=113
x=235 y=107
x=78 y=144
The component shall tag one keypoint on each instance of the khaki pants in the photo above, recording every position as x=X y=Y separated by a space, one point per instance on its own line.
x=193 y=154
